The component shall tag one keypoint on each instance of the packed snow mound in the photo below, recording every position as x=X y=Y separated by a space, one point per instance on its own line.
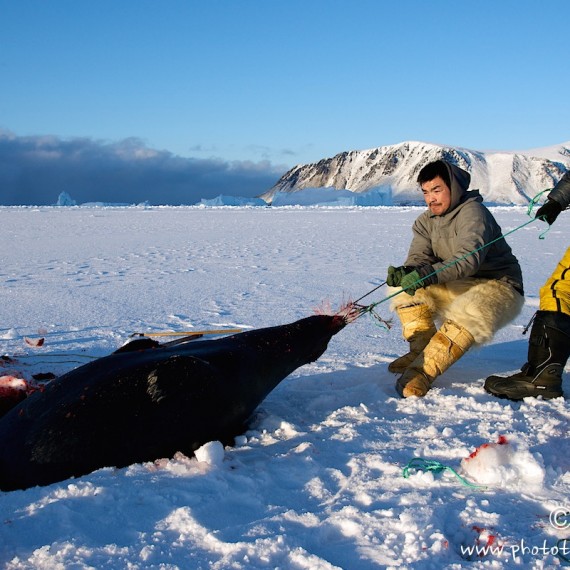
x=503 y=178
x=504 y=464
x=211 y=453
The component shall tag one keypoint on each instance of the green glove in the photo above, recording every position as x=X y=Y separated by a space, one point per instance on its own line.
x=395 y=275
x=411 y=282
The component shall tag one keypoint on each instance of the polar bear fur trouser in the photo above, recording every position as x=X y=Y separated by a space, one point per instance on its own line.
x=482 y=306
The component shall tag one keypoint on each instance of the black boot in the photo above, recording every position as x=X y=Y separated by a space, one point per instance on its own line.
x=548 y=351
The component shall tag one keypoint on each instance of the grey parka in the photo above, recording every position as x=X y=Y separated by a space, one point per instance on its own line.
x=444 y=243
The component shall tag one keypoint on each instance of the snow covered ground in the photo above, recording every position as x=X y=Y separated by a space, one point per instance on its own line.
x=317 y=482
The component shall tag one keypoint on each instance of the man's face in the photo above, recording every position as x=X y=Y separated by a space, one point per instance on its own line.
x=437 y=195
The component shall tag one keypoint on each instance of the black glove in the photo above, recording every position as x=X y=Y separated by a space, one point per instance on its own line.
x=549 y=211
x=395 y=274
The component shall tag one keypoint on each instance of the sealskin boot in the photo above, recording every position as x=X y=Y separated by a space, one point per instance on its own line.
x=417 y=329
x=548 y=352
x=447 y=346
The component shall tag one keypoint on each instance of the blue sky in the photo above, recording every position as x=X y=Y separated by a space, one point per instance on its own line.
x=286 y=81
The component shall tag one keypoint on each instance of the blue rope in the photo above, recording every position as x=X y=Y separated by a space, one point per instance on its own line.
x=421 y=464
x=532 y=204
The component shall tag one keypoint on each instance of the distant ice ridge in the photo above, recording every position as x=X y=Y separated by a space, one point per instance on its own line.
x=223 y=200
x=390 y=173
x=332 y=197
x=309 y=197
x=64 y=199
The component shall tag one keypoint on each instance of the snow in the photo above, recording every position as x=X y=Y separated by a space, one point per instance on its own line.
x=211 y=453
x=503 y=463
x=554 y=152
x=316 y=482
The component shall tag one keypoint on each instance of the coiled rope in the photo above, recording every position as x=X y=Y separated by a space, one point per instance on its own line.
x=421 y=464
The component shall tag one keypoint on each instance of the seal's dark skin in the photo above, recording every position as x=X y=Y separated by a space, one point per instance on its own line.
x=140 y=405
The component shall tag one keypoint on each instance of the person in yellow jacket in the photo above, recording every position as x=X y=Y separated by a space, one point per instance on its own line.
x=549 y=341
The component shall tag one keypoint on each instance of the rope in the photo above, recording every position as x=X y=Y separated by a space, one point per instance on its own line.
x=421 y=464
x=363 y=309
x=369 y=293
x=351 y=311
x=532 y=204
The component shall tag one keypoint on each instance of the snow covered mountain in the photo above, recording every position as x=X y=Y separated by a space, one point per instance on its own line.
x=391 y=172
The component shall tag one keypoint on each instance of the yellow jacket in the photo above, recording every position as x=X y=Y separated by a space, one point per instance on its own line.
x=555 y=293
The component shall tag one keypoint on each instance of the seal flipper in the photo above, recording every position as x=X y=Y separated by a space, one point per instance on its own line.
x=190 y=393
x=173 y=377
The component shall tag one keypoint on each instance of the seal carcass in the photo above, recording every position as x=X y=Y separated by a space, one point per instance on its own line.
x=150 y=402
